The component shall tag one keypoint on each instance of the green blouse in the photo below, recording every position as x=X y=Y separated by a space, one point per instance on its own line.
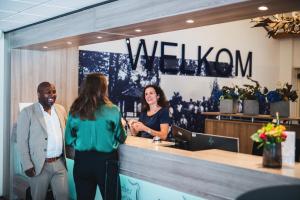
x=104 y=134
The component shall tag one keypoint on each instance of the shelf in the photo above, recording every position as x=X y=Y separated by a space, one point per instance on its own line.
x=243 y=117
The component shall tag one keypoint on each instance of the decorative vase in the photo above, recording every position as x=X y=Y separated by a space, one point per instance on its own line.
x=282 y=107
x=272 y=155
x=228 y=106
x=251 y=107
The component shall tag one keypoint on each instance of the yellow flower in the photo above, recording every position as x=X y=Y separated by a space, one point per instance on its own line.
x=270 y=133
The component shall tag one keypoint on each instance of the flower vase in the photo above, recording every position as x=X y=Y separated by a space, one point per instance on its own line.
x=272 y=155
x=251 y=107
x=282 y=107
x=228 y=106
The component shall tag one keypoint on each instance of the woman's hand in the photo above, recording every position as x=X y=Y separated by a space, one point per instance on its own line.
x=123 y=122
x=139 y=126
x=131 y=122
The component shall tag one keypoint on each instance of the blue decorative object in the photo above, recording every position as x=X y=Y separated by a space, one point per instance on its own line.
x=273 y=96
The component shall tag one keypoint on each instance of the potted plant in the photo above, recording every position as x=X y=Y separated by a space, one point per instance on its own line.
x=229 y=99
x=270 y=137
x=251 y=96
x=279 y=100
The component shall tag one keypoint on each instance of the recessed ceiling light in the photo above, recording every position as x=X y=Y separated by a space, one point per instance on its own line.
x=45 y=47
x=138 y=30
x=189 y=21
x=99 y=37
x=262 y=8
x=69 y=43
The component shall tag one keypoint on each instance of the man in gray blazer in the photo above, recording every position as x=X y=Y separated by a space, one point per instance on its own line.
x=40 y=141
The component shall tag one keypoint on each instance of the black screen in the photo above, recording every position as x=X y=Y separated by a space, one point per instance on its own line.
x=188 y=140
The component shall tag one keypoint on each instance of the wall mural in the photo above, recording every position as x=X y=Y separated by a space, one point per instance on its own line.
x=126 y=86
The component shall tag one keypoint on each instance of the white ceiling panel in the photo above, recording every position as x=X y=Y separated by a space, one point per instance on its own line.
x=9 y=24
x=18 y=13
x=76 y=4
x=24 y=18
x=14 y=5
x=5 y=13
x=31 y=1
x=49 y=11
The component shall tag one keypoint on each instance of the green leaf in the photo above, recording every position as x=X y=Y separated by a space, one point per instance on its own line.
x=260 y=145
x=255 y=137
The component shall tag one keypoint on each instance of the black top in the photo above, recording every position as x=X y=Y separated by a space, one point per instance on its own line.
x=154 y=121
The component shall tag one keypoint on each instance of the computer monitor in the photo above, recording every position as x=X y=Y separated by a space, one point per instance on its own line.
x=200 y=141
x=181 y=134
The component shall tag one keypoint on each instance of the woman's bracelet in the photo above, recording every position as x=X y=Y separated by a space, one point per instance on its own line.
x=150 y=132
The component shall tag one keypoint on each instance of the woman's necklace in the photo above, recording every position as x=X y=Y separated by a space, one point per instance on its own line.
x=153 y=109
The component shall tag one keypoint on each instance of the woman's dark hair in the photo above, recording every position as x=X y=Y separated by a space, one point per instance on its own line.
x=162 y=101
x=93 y=94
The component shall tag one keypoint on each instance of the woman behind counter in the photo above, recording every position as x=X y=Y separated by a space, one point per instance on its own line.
x=154 y=119
x=95 y=130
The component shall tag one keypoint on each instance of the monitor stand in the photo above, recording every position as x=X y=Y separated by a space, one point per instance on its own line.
x=184 y=145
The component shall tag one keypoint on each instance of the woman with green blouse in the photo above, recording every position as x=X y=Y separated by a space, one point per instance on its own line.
x=94 y=128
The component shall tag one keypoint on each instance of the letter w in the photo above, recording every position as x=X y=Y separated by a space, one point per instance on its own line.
x=149 y=61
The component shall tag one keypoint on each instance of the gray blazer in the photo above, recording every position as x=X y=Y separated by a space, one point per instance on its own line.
x=32 y=136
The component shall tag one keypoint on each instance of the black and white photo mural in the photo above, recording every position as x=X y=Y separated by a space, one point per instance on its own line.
x=126 y=86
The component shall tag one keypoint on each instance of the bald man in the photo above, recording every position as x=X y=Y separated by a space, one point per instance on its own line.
x=40 y=140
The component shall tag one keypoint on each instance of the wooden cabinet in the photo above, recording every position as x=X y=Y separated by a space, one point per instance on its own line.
x=238 y=129
x=241 y=129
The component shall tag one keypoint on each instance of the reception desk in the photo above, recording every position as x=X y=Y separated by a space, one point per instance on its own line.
x=208 y=174
x=157 y=171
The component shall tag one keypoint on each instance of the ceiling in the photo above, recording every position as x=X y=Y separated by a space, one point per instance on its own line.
x=18 y=13
x=27 y=12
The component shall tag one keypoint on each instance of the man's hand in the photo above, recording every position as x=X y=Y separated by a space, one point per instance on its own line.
x=30 y=172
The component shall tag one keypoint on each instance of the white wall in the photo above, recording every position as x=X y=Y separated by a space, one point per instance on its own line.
x=296 y=64
x=296 y=51
x=286 y=59
x=289 y=64
x=234 y=36
x=2 y=150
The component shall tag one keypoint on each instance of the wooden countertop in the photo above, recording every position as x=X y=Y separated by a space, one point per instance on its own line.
x=210 y=174
x=241 y=115
x=241 y=160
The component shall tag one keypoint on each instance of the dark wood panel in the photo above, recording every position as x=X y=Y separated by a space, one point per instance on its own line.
x=241 y=130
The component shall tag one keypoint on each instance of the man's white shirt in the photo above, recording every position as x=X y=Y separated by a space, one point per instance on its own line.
x=54 y=146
